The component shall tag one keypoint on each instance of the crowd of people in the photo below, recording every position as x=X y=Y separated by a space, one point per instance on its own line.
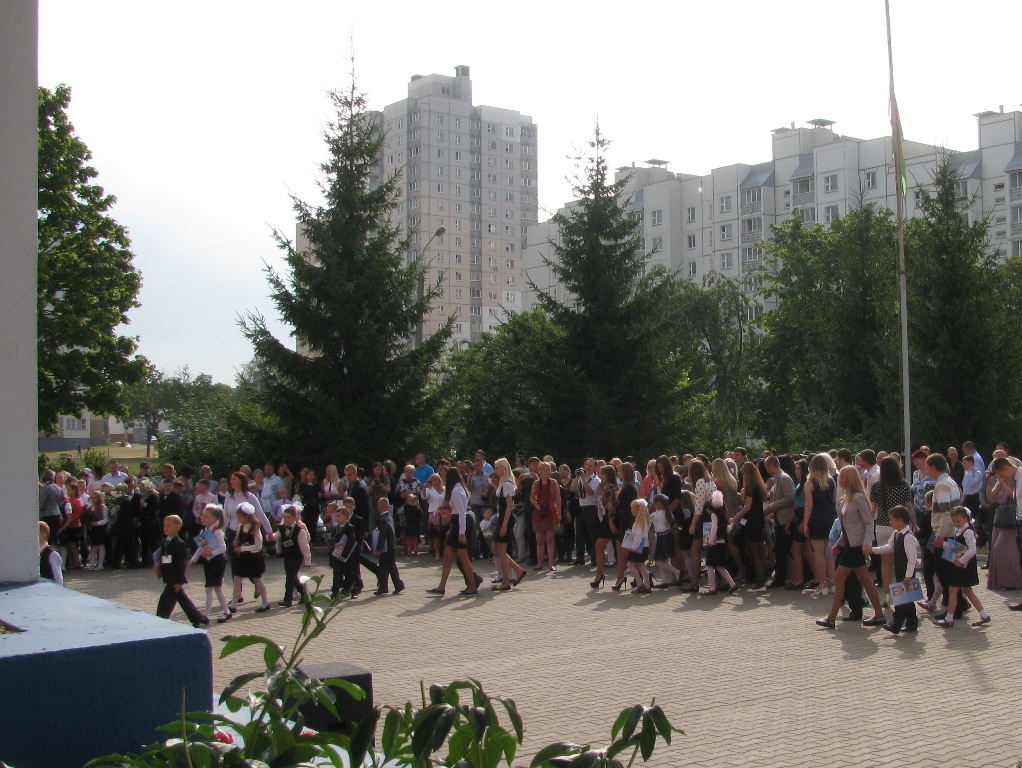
x=841 y=526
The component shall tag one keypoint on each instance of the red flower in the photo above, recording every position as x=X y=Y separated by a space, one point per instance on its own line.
x=223 y=737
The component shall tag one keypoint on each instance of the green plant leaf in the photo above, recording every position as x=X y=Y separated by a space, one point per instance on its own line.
x=476 y=717
x=348 y=687
x=631 y=721
x=662 y=724
x=647 y=741
x=459 y=743
x=620 y=745
x=557 y=749
x=619 y=723
x=512 y=713
x=271 y=656
x=442 y=728
x=422 y=731
x=493 y=750
x=237 y=683
x=363 y=736
x=391 y=729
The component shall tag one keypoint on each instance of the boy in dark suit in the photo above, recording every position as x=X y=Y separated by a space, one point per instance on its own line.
x=171 y=564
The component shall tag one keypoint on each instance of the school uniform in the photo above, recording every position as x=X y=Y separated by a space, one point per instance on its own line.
x=249 y=562
x=214 y=561
x=905 y=548
x=172 y=557
x=386 y=544
x=293 y=547
x=344 y=545
x=50 y=565
x=969 y=575
x=716 y=552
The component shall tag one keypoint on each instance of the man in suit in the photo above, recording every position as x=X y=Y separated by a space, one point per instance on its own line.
x=783 y=508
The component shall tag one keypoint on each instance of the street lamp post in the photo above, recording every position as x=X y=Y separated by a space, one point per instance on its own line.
x=422 y=280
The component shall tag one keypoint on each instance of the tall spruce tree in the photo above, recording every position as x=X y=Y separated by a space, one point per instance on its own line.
x=355 y=389
x=956 y=323
x=624 y=386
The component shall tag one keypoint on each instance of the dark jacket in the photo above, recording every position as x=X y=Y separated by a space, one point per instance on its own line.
x=174 y=571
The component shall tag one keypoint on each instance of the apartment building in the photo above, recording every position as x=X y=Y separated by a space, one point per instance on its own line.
x=697 y=224
x=472 y=171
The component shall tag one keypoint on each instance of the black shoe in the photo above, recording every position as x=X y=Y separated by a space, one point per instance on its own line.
x=852 y=617
x=891 y=628
x=399 y=587
x=382 y=592
x=263 y=608
x=1015 y=607
x=826 y=623
x=203 y=621
x=776 y=585
x=578 y=562
x=875 y=621
x=224 y=619
x=284 y=604
x=911 y=628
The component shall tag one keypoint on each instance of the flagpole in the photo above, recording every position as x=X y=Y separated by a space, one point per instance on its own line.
x=900 y=192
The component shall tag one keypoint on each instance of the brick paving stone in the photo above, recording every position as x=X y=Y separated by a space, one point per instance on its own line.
x=751 y=680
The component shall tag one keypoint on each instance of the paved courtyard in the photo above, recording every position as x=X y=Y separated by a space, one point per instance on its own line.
x=750 y=679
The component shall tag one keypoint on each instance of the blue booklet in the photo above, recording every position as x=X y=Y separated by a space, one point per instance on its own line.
x=706 y=534
x=952 y=549
x=206 y=541
x=902 y=595
x=929 y=541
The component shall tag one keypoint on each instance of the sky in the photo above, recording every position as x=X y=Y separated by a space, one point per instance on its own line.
x=204 y=117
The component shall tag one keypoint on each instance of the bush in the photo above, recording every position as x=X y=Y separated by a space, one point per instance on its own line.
x=479 y=731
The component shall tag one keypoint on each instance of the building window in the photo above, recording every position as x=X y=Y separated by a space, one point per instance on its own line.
x=510 y=132
x=510 y=280
x=1016 y=214
x=491 y=128
x=440 y=136
x=457 y=293
x=749 y=255
x=752 y=226
x=492 y=194
x=509 y=165
x=473 y=259
x=691 y=241
x=440 y=309
x=830 y=213
x=690 y=214
x=491 y=145
x=725 y=204
x=727 y=260
x=440 y=258
x=440 y=187
x=491 y=178
x=725 y=231
x=509 y=213
x=808 y=215
x=657 y=218
x=917 y=198
x=963 y=189
x=752 y=196
x=439 y=170
x=75 y=425
x=510 y=263
x=802 y=186
x=830 y=183
x=871 y=179
x=493 y=279
x=658 y=244
x=753 y=312
x=1016 y=248
x=692 y=269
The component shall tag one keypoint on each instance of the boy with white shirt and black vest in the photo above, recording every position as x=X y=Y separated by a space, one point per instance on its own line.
x=50 y=565
x=905 y=548
x=293 y=547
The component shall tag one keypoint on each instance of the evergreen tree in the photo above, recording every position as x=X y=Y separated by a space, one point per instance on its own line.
x=624 y=385
x=87 y=282
x=956 y=323
x=355 y=389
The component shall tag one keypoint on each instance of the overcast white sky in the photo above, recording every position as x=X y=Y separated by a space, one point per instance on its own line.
x=203 y=116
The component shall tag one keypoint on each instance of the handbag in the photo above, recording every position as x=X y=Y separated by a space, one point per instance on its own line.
x=1004 y=517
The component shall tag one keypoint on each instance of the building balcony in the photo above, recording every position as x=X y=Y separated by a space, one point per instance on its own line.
x=751 y=237
x=751 y=208
x=1016 y=230
x=1016 y=194
x=804 y=198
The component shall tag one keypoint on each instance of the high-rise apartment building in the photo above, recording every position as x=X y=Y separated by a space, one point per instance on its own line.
x=697 y=224
x=473 y=171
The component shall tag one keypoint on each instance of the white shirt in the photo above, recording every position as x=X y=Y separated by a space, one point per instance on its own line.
x=589 y=486
x=231 y=507
x=911 y=549
x=459 y=506
x=114 y=478
x=659 y=519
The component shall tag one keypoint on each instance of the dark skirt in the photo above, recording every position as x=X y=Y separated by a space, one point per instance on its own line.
x=664 y=548
x=505 y=539
x=851 y=557
x=250 y=565
x=796 y=526
x=74 y=535
x=820 y=524
x=213 y=569
x=97 y=535
x=604 y=531
x=638 y=557
x=453 y=537
x=716 y=556
x=965 y=577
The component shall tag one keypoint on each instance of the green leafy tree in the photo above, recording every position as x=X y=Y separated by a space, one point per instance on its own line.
x=717 y=317
x=956 y=321
x=829 y=359
x=623 y=385
x=151 y=402
x=355 y=388
x=499 y=388
x=87 y=282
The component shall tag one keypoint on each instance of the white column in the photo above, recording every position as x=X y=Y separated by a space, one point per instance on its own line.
x=19 y=501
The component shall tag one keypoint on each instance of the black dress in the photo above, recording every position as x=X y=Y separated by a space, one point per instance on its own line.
x=756 y=525
x=625 y=496
x=250 y=565
x=504 y=514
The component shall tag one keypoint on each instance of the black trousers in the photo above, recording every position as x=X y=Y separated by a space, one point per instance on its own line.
x=344 y=576
x=782 y=549
x=169 y=597
x=126 y=546
x=388 y=571
x=292 y=565
x=591 y=526
x=905 y=616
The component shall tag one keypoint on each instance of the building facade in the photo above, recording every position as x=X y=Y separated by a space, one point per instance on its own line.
x=471 y=170
x=697 y=224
